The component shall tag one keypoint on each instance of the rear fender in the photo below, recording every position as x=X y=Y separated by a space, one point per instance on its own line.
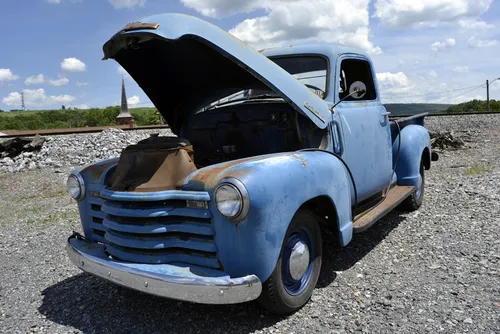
x=278 y=185
x=415 y=142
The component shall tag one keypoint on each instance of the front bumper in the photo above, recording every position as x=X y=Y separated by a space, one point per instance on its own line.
x=194 y=284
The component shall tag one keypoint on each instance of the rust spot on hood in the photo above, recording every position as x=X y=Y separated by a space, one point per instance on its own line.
x=210 y=175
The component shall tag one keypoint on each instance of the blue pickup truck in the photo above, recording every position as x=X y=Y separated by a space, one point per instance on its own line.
x=272 y=148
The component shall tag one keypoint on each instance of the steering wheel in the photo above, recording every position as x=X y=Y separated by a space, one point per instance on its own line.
x=316 y=89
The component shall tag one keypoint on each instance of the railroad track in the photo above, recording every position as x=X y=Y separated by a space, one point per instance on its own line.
x=68 y=131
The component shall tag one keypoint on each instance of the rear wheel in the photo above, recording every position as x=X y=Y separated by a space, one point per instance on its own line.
x=414 y=201
x=294 y=278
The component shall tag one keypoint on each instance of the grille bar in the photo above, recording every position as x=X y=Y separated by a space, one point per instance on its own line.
x=155 y=227
x=121 y=210
x=160 y=241
x=165 y=256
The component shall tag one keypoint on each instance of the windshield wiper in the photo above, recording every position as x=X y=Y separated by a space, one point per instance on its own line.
x=252 y=97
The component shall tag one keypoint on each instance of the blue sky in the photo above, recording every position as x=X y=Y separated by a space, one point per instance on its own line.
x=52 y=49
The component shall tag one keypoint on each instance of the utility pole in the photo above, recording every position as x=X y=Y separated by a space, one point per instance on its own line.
x=22 y=101
x=488 y=95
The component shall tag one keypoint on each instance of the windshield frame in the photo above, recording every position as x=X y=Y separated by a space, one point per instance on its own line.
x=214 y=105
x=312 y=55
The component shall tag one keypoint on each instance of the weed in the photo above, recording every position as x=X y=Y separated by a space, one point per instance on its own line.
x=478 y=169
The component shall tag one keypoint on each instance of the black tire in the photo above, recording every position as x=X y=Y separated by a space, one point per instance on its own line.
x=281 y=293
x=414 y=201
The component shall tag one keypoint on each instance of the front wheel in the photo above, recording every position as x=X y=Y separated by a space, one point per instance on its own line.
x=296 y=273
x=414 y=201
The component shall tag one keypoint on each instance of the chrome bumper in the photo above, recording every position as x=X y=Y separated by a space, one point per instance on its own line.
x=163 y=280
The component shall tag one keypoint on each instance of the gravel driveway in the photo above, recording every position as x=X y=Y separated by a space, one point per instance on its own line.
x=434 y=270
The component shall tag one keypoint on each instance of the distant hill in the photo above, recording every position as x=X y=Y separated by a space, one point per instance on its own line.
x=415 y=108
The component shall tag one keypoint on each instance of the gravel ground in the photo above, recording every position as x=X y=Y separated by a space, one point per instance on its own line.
x=73 y=150
x=434 y=270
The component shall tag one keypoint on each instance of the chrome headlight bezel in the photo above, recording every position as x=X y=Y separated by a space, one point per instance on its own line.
x=81 y=186
x=238 y=186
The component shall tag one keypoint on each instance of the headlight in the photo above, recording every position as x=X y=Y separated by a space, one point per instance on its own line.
x=231 y=198
x=76 y=187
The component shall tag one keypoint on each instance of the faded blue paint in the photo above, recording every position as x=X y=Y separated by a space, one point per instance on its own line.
x=278 y=184
x=414 y=140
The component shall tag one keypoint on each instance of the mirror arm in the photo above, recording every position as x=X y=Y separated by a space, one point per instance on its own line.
x=356 y=91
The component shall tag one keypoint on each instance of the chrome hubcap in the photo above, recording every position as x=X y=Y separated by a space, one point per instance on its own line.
x=299 y=260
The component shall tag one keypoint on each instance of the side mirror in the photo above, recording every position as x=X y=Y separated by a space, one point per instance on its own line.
x=357 y=90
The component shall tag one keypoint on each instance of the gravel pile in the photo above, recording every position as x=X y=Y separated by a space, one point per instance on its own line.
x=436 y=270
x=77 y=149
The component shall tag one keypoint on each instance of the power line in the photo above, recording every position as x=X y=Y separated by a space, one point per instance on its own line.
x=451 y=98
x=446 y=91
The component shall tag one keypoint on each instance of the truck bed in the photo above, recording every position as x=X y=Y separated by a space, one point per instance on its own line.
x=417 y=119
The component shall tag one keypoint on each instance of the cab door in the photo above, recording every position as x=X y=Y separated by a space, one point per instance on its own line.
x=365 y=129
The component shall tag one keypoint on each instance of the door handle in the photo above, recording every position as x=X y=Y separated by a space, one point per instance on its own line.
x=386 y=113
x=339 y=138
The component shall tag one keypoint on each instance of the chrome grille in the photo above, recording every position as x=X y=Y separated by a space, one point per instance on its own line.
x=155 y=229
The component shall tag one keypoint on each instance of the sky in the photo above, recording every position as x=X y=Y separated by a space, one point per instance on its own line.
x=436 y=51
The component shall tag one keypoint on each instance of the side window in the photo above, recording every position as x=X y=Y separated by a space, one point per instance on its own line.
x=353 y=71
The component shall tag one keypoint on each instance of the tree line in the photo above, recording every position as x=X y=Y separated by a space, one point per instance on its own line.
x=65 y=118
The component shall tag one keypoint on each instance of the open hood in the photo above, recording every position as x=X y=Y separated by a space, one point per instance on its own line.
x=183 y=63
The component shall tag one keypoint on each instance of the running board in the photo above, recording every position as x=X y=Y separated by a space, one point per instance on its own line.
x=369 y=217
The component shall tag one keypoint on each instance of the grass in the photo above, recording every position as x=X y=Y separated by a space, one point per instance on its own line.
x=478 y=169
x=58 y=193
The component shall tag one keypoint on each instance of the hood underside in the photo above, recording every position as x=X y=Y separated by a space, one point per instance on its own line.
x=183 y=64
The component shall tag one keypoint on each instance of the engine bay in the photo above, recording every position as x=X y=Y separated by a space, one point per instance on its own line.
x=249 y=129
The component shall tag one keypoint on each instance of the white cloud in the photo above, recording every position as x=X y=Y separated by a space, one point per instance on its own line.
x=134 y=100
x=393 y=83
x=35 y=80
x=79 y=106
x=54 y=1
x=7 y=75
x=461 y=69
x=82 y=84
x=36 y=98
x=73 y=65
x=59 y=82
x=432 y=74
x=448 y=43
x=411 y=13
x=127 y=3
x=474 y=24
x=478 y=43
x=221 y=8
x=285 y=22
x=122 y=71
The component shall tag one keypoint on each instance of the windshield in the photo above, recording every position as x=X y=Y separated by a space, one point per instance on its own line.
x=310 y=70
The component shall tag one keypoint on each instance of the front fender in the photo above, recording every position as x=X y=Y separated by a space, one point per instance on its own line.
x=414 y=140
x=278 y=185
